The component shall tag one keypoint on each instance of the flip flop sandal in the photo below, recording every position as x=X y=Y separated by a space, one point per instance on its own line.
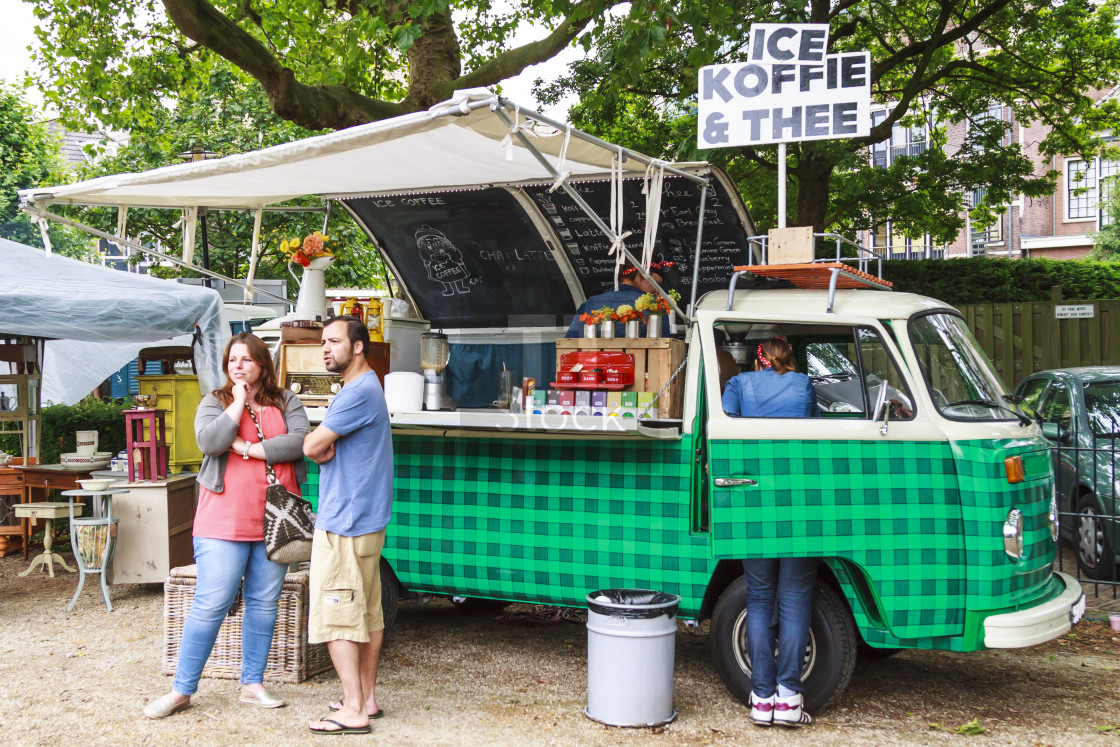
x=379 y=714
x=342 y=728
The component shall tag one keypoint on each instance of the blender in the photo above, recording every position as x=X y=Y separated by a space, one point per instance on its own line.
x=434 y=354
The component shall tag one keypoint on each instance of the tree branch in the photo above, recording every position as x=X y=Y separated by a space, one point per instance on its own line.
x=313 y=107
x=513 y=61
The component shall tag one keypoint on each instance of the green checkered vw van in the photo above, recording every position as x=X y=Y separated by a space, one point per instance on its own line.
x=925 y=489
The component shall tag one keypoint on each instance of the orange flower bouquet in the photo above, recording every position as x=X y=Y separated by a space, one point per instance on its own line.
x=312 y=247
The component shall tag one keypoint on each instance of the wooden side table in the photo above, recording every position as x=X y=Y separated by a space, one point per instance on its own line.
x=92 y=539
x=49 y=511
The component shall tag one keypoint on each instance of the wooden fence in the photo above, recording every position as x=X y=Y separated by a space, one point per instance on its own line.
x=1022 y=338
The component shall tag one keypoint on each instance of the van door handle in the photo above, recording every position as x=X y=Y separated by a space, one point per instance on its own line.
x=731 y=482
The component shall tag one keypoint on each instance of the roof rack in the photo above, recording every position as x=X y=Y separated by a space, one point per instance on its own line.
x=822 y=273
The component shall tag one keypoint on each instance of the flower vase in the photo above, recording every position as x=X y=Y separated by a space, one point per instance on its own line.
x=589 y=331
x=633 y=328
x=653 y=326
x=312 y=300
x=606 y=328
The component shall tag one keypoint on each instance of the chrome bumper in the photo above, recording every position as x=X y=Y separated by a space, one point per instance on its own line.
x=1038 y=624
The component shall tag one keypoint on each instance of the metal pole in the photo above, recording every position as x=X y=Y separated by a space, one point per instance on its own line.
x=781 y=185
x=148 y=250
x=205 y=247
x=696 y=257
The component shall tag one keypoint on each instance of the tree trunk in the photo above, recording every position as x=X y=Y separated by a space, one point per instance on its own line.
x=434 y=61
x=814 y=172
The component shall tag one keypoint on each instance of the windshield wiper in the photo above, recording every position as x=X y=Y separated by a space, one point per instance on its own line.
x=1023 y=419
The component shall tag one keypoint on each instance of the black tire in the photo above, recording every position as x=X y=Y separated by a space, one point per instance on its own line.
x=1095 y=558
x=476 y=607
x=830 y=657
x=390 y=593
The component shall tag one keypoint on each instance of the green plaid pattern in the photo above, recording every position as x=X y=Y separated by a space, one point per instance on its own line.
x=549 y=520
x=545 y=520
x=881 y=504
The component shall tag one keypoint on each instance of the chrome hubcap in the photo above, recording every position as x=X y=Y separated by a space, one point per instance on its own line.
x=743 y=658
x=1090 y=537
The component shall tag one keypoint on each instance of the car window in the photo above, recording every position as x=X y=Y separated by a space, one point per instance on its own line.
x=881 y=372
x=1031 y=393
x=1056 y=408
x=1102 y=406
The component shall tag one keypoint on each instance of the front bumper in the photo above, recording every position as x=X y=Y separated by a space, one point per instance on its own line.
x=1038 y=624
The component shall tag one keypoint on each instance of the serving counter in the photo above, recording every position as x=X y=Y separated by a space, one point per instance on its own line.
x=500 y=423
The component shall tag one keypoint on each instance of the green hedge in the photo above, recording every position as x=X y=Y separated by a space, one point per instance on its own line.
x=61 y=422
x=996 y=280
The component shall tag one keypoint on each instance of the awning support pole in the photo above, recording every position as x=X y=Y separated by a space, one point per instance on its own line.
x=696 y=256
x=254 y=249
x=571 y=192
x=147 y=250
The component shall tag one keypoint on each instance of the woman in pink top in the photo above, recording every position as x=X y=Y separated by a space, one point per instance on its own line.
x=229 y=522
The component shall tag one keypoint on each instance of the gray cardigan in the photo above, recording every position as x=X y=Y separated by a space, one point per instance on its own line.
x=215 y=432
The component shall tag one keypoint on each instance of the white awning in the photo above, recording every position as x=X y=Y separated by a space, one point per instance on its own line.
x=458 y=144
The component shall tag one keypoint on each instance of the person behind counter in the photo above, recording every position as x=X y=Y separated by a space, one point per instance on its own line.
x=776 y=390
x=229 y=545
x=630 y=287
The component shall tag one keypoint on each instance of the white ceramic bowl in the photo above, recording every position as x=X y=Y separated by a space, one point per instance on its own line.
x=94 y=485
x=85 y=461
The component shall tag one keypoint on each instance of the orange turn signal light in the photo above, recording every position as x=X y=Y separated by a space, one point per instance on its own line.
x=1013 y=466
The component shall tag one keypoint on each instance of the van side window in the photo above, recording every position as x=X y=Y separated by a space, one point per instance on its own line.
x=847 y=376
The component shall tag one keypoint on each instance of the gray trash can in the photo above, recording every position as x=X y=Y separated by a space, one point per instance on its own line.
x=631 y=637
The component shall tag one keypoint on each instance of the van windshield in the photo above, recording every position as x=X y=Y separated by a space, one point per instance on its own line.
x=960 y=378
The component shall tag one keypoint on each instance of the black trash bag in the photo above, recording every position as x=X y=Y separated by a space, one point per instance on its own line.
x=633 y=604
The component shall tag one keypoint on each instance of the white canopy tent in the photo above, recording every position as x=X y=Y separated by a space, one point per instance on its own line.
x=97 y=319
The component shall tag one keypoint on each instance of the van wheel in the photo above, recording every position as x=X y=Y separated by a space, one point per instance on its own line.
x=1094 y=551
x=390 y=593
x=830 y=657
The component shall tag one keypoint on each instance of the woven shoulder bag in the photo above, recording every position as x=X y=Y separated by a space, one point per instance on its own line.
x=289 y=522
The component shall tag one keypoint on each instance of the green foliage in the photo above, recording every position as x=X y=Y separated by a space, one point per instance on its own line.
x=227 y=113
x=61 y=422
x=29 y=157
x=946 y=61
x=996 y=280
x=972 y=727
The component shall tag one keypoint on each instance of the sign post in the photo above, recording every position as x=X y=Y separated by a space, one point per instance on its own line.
x=789 y=90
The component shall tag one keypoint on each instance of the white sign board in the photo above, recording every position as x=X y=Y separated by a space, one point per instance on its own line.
x=1074 y=311
x=788 y=90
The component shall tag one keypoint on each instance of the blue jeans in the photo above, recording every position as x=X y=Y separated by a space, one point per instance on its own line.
x=221 y=566
x=779 y=609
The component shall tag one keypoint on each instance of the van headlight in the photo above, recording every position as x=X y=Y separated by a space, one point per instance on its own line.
x=1052 y=516
x=1013 y=534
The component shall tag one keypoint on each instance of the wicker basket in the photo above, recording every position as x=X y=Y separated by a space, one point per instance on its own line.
x=290 y=659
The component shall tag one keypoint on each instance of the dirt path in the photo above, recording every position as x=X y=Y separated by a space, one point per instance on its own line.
x=452 y=680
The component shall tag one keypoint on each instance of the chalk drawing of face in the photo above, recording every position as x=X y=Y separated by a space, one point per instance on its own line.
x=442 y=260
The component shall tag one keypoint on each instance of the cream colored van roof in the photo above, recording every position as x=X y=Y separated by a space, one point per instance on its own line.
x=793 y=304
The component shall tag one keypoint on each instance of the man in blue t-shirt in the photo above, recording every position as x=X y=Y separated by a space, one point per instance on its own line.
x=354 y=449
x=630 y=287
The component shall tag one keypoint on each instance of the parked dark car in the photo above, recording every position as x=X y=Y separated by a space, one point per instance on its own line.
x=1079 y=409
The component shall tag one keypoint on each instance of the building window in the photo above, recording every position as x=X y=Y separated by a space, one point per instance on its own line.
x=904 y=141
x=1081 y=189
x=890 y=245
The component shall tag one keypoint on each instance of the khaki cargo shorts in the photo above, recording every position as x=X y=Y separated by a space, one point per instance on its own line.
x=345 y=602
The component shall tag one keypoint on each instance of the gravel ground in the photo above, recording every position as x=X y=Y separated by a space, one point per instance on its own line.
x=449 y=679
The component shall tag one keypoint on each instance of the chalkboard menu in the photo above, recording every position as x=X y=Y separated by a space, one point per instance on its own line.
x=723 y=246
x=469 y=259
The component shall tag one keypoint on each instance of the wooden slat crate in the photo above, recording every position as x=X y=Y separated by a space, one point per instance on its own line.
x=291 y=659
x=655 y=360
